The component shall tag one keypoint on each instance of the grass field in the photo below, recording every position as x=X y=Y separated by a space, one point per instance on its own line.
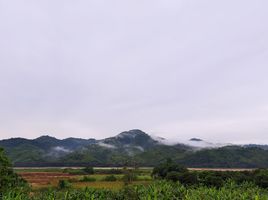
x=41 y=178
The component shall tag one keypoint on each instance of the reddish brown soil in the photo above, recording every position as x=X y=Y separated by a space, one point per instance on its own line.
x=44 y=178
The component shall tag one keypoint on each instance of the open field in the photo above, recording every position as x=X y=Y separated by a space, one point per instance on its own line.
x=44 y=179
x=50 y=177
x=40 y=178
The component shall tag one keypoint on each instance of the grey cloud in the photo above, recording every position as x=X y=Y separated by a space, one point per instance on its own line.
x=178 y=68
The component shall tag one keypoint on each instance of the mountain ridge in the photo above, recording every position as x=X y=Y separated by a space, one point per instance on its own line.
x=129 y=148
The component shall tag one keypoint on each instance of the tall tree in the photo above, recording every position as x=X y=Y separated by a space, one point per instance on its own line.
x=8 y=178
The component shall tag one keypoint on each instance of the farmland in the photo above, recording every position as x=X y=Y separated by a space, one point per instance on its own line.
x=111 y=183
x=49 y=177
x=168 y=180
x=42 y=178
x=39 y=180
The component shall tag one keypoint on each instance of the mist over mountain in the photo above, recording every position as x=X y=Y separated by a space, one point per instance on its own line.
x=133 y=147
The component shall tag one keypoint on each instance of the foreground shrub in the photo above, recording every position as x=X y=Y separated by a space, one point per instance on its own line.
x=64 y=184
x=110 y=178
x=159 y=190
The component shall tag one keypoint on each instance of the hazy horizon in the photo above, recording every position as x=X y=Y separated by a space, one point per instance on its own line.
x=176 y=69
x=166 y=141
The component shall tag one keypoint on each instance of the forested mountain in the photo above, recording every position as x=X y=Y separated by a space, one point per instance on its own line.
x=134 y=148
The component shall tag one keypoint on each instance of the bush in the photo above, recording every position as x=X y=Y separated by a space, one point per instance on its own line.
x=110 y=178
x=213 y=180
x=188 y=178
x=261 y=178
x=88 y=179
x=64 y=184
x=163 y=169
x=173 y=176
x=88 y=170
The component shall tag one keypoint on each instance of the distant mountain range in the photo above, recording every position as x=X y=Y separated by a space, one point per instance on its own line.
x=132 y=148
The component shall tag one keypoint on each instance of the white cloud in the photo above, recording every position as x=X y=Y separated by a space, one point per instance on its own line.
x=109 y=146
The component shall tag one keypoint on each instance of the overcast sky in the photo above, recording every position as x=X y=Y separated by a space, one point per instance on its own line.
x=173 y=68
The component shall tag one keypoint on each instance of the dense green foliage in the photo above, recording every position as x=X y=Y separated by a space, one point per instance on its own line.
x=88 y=170
x=158 y=190
x=168 y=168
x=228 y=157
x=9 y=179
x=110 y=178
x=173 y=172
x=88 y=179
x=64 y=184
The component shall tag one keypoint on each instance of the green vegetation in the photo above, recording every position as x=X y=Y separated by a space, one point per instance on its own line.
x=129 y=176
x=88 y=170
x=160 y=190
x=64 y=184
x=108 y=171
x=228 y=157
x=88 y=179
x=167 y=181
x=172 y=172
x=165 y=169
x=8 y=179
x=110 y=178
x=133 y=148
x=78 y=171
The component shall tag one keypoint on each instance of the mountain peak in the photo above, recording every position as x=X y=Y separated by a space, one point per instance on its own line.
x=46 y=137
x=132 y=134
x=129 y=139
